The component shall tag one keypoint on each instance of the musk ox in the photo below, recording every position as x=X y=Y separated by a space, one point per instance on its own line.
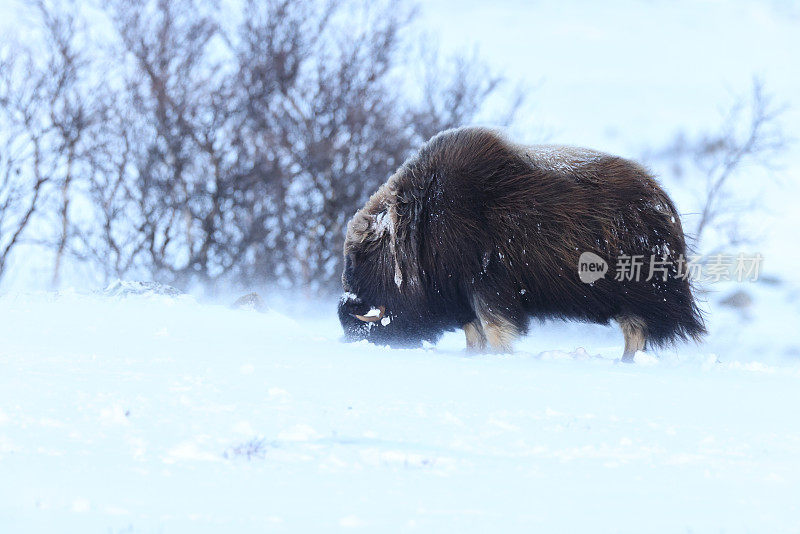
x=480 y=233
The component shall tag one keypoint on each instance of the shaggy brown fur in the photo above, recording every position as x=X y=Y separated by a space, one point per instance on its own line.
x=480 y=233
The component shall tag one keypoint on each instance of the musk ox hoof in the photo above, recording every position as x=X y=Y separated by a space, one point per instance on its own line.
x=639 y=357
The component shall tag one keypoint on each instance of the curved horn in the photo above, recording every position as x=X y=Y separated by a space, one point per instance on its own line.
x=372 y=318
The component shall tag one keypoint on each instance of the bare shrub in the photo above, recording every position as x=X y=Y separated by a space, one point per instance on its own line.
x=255 y=448
x=715 y=166
x=46 y=117
x=196 y=146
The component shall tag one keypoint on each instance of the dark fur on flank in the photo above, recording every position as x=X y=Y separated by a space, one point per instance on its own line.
x=476 y=232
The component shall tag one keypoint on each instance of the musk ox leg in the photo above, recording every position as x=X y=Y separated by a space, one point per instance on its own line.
x=634 y=330
x=476 y=339
x=500 y=332
x=501 y=335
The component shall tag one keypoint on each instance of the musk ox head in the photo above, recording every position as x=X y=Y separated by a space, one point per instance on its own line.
x=376 y=324
x=383 y=302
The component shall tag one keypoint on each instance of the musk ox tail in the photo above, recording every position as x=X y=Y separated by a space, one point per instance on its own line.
x=680 y=319
x=676 y=315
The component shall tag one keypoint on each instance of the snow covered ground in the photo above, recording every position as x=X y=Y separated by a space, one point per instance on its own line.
x=159 y=414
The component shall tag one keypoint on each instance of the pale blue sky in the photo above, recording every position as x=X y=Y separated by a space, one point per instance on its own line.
x=621 y=74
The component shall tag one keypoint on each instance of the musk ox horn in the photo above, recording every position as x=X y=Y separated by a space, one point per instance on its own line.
x=371 y=317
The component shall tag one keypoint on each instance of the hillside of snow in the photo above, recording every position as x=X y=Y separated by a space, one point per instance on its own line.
x=125 y=413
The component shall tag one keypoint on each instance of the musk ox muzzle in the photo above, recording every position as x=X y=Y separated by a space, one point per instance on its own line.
x=379 y=325
x=479 y=233
x=359 y=319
